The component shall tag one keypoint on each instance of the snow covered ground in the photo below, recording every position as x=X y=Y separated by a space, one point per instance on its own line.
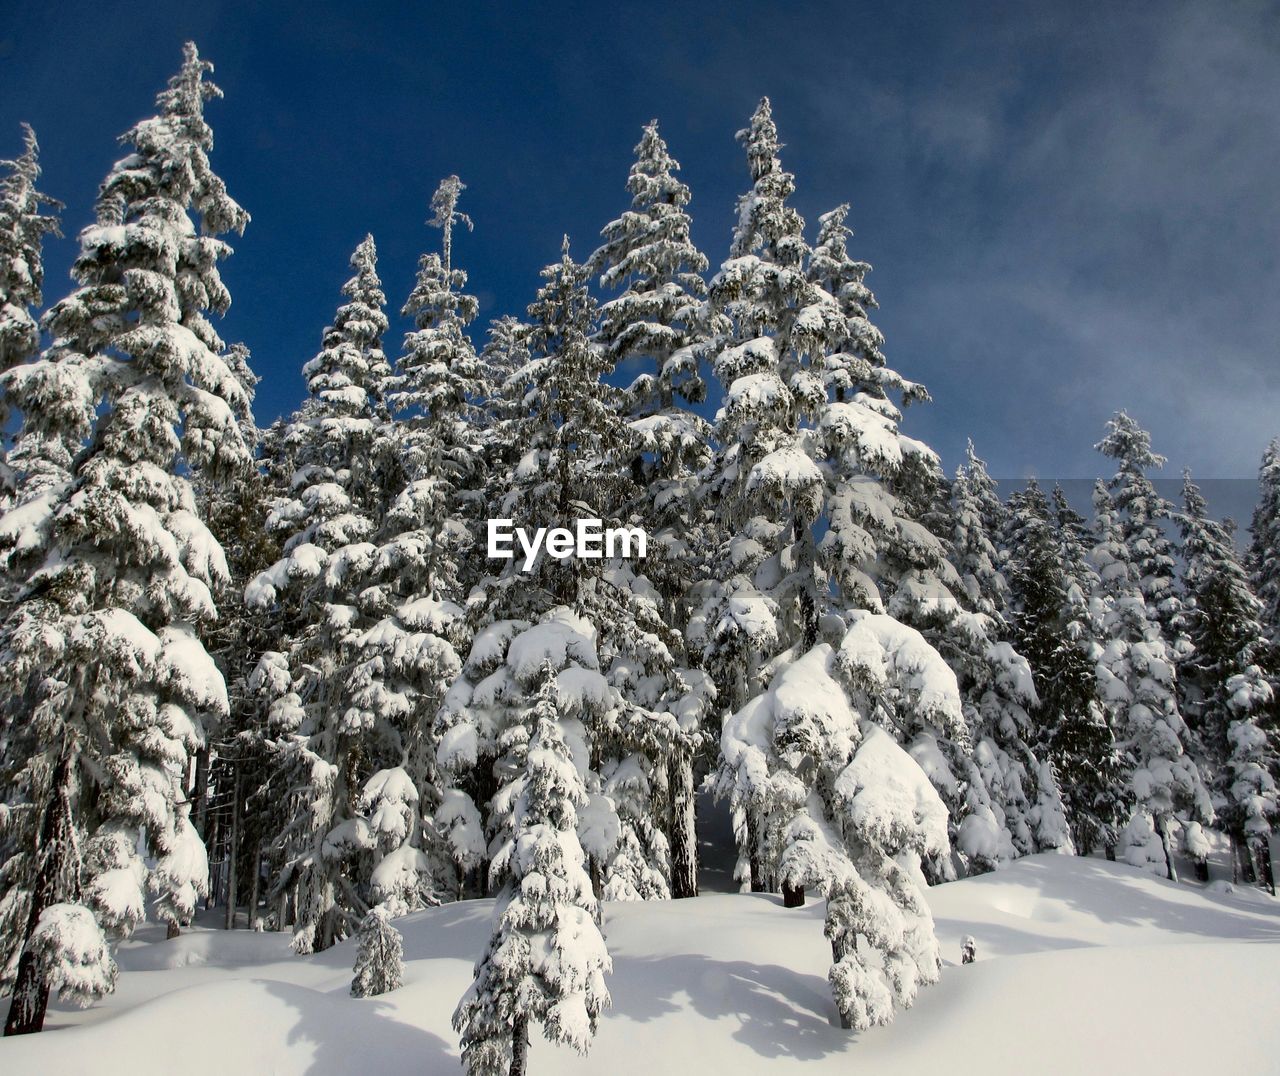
x=1083 y=966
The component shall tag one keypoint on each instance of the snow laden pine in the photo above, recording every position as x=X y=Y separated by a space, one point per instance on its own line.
x=326 y=725
x=850 y=813
x=657 y=321
x=1227 y=697
x=546 y=959
x=1050 y=623
x=103 y=646
x=24 y=224
x=1137 y=678
x=379 y=966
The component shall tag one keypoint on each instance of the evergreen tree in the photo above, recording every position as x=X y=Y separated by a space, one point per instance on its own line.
x=1050 y=624
x=1227 y=697
x=849 y=811
x=103 y=646
x=23 y=227
x=657 y=322
x=546 y=960
x=1137 y=683
x=765 y=586
x=346 y=473
x=379 y=966
x=1263 y=559
x=1144 y=515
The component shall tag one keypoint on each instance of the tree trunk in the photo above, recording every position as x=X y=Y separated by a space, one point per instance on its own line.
x=520 y=1047
x=233 y=841
x=1202 y=870
x=683 y=835
x=1162 y=828
x=30 y=991
x=792 y=895
x=836 y=957
x=255 y=885
x=597 y=877
x=759 y=884
x=200 y=793
x=1244 y=854
x=1265 y=871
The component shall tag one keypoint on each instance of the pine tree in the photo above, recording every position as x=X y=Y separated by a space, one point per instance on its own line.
x=546 y=959
x=849 y=811
x=765 y=586
x=657 y=321
x=1264 y=543
x=996 y=679
x=1051 y=626
x=1227 y=696
x=379 y=966
x=1137 y=682
x=103 y=646
x=1143 y=516
x=346 y=474
x=23 y=227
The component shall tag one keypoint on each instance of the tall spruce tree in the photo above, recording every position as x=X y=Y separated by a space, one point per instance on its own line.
x=103 y=646
x=656 y=324
x=1051 y=626
x=346 y=473
x=1227 y=696
x=1137 y=681
x=24 y=224
x=1263 y=558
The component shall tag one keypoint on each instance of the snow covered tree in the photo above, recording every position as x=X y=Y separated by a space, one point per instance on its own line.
x=1264 y=543
x=379 y=966
x=1050 y=624
x=656 y=325
x=1137 y=683
x=996 y=679
x=23 y=227
x=1143 y=516
x=849 y=811
x=103 y=646
x=765 y=587
x=346 y=473
x=546 y=959
x=1227 y=697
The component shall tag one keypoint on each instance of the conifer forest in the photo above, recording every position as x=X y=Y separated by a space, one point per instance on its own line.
x=293 y=751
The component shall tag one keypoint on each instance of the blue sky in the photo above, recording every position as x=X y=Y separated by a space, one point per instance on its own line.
x=1070 y=207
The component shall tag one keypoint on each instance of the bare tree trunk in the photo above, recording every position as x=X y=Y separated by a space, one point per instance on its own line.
x=683 y=835
x=1265 y=871
x=255 y=885
x=520 y=1047
x=792 y=895
x=200 y=793
x=30 y=991
x=1162 y=828
x=836 y=957
x=233 y=849
x=759 y=883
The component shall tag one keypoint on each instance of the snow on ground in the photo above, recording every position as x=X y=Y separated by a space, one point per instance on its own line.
x=1083 y=966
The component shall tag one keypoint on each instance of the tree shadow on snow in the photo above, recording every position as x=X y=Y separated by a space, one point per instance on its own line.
x=1125 y=897
x=783 y=1013
x=353 y=1035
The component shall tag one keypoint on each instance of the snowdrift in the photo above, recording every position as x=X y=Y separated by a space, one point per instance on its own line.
x=1082 y=966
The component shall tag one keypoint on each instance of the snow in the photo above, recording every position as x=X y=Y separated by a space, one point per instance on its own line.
x=1073 y=955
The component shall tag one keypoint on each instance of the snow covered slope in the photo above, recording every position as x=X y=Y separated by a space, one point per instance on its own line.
x=1083 y=966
